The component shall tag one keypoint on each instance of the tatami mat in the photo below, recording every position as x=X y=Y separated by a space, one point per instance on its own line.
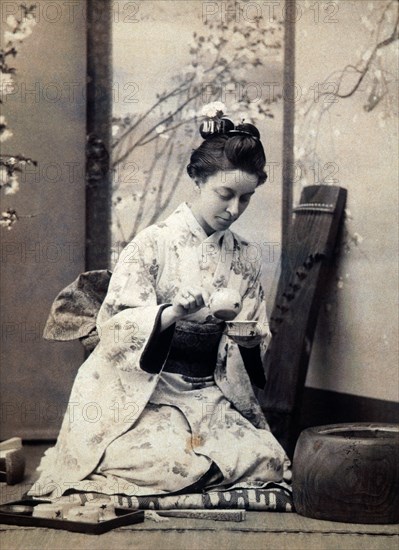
x=260 y=530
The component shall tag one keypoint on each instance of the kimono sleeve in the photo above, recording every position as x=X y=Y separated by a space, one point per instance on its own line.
x=254 y=306
x=254 y=309
x=129 y=318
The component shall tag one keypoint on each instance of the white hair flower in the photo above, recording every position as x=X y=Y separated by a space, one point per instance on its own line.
x=214 y=109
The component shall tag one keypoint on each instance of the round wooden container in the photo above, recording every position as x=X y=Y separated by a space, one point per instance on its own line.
x=348 y=472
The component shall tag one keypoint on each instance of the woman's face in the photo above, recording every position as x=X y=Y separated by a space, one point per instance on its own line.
x=223 y=198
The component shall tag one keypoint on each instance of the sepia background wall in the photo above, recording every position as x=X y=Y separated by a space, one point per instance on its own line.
x=355 y=351
x=356 y=342
x=44 y=250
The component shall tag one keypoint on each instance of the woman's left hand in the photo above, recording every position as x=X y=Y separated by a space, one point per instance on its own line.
x=248 y=341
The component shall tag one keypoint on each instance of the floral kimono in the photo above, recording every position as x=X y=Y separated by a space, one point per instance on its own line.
x=154 y=412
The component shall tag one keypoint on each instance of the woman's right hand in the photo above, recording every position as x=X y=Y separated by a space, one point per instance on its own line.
x=187 y=301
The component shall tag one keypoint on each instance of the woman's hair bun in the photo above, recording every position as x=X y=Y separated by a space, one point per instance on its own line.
x=226 y=146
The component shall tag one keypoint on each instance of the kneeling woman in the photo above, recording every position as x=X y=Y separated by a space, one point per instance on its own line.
x=165 y=403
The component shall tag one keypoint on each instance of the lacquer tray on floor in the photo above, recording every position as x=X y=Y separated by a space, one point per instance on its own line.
x=10 y=517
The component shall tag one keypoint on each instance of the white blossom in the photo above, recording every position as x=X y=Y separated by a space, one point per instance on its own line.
x=357 y=239
x=12 y=21
x=366 y=55
x=240 y=41
x=18 y=36
x=234 y=107
x=299 y=152
x=22 y=31
x=191 y=113
x=7 y=219
x=5 y=134
x=250 y=55
x=29 y=21
x=12 y=186
x=200 y=72
x=210 y=48
x=228 y=56
x=8 y=36
x=160 y=128
x=366 y=23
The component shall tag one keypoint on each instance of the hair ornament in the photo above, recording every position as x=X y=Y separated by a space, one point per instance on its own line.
x=217 y=123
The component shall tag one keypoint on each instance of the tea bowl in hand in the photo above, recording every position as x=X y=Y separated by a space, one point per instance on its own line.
x=225 y=303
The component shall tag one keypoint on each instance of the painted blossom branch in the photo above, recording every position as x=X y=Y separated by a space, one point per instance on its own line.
x=342 y=84
x=11 y=164
x=363 y=72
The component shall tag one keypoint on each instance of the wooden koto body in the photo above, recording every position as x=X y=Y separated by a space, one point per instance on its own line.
x=305 y=269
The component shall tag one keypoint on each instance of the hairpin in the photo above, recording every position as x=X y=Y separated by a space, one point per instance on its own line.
x=218 y=124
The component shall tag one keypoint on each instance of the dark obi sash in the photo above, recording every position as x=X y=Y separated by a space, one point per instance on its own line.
x=194 y=348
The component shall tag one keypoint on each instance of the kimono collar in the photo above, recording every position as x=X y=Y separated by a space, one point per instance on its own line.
x=220 y=243
x=197 y=230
